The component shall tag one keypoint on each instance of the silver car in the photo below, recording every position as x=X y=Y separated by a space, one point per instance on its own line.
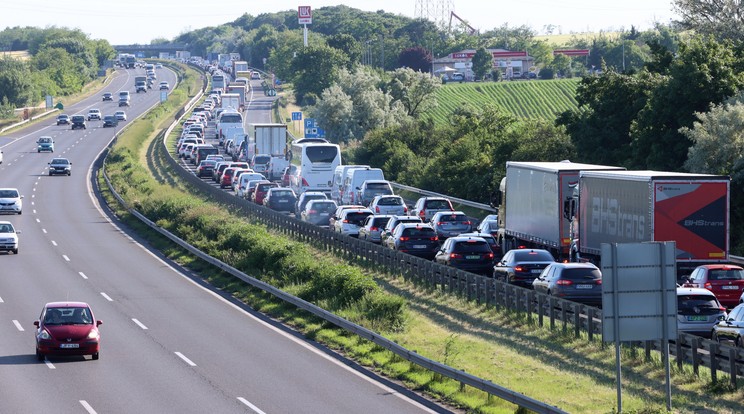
x=451 y=223
x=389 y=205
x=698 y=311
x=373 y=227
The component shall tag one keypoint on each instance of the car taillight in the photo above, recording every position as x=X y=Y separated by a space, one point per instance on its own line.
x=435 y=238
x=312 y=211
x=599 y=281
x=466 y=222
x=345 y=221
x=405 y=209
x=377 y=209
x=708 y=285
x=489 y=256
x=422 y=214
x=373 y=229
x=518 y=269
x=564 y=282
x=404 y=238
x=455 y=256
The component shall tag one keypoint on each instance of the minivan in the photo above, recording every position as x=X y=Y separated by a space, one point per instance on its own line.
x=354 y=179
x=338 y=179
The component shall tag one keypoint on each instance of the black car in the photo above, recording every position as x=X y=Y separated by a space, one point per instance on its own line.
x=60 y=166
x=110 y=121
x=108 y=97
x=418 y=239
x=578 y=282
x=522 y=266
x=731 y=329
x=78 y=121
x=469 y=253
x=280 y=199
x=387 y=231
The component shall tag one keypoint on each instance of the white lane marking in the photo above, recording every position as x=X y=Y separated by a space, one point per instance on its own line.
x=64 y=256
x=34 y=211
x=140 y=324
x=34 y=189
x=54 y=243
x=32 y=203
x=107 y=297
x=186 y=360
x=87 y=407
x=38 y=221
x=43 y=231
x=1 y=300
x=33 y=195
x=252 y=407
x=49 y=364
x=82 y=275
x=18 y=325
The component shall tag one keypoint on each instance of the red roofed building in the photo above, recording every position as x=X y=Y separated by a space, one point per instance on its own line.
x=512 y=64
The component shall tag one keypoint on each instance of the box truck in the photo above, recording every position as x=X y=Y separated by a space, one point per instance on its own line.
x=270 y=139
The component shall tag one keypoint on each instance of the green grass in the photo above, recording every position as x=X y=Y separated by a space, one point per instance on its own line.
x=499 y=345
x=523 y=99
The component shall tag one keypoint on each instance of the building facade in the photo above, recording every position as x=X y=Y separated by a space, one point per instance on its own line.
x=511 y=64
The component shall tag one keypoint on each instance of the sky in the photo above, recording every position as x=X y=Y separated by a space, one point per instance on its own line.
x=139 y=21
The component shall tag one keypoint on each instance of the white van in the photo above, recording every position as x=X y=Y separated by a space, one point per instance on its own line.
x=338 y=179
x=353 y=181
x=242 y=186
x=124 y=98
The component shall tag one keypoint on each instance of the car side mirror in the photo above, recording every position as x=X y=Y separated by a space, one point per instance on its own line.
x=99 y=322
x=36 y=323
x=18 y=232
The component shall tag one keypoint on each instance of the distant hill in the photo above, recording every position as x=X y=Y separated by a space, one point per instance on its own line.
x=524 y=99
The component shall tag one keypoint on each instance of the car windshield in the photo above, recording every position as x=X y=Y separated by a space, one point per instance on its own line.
x=691 y=301
x=45 y=140
x=533 y=256
x=472 y=246
x=67 y=316
x=726 y=274
x=579 y=274
x=8 y=194
x=60 y=161
x=6 y=228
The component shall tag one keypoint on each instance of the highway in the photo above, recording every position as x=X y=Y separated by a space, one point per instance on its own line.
x=169 y=344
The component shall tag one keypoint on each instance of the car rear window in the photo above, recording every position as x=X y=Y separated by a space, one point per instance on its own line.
x=419 y=231
x=691 y=301
x=281 y=194
x=231 y=118
x=438 y=204
x=321 y=153
x=356 y=218
x=453 y=217
x=726 y=274
x=262 y=160
x=472 y=246
x=380 y=221
x=390 y=201
x=378 y=186
x=324 y=207
x=265 y=187
x=533 y=256
x=580 y=274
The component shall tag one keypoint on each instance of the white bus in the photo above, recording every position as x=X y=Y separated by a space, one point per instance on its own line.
x=218 y=82
x=315 y=161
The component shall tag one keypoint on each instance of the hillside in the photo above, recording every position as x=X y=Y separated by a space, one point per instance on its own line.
x=524 y=99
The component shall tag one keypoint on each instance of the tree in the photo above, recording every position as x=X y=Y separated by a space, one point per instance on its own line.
x=347 y=44
x=416 y=58
x=315 y=69
x=722 y=19
x=717 y=138
x=702 y=74
x=562 y=65
x=415 y=90
x=15 y=82
x=482 y=63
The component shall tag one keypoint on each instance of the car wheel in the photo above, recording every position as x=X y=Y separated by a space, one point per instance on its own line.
x=740 y=342
x=95 y=356
x=20 y=212
x=69 y=173
x=39 y=355
x=50 y=174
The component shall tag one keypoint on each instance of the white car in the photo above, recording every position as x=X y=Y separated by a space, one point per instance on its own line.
x=164 y=85
x=11 y=201
x=350 y=220
x=94 y=114
x=120 y=115
x=1 y=156
x=8 y=237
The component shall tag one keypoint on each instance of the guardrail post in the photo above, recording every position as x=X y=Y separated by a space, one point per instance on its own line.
x=564 y=316
x=551 y=309
x=647 y=347
x=680 y=352
x=714 y=347
x=577 y=320
x=540 y=309
x=695 y=356
x=732 y=366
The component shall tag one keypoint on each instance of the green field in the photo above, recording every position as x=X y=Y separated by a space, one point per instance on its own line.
x=524 y=99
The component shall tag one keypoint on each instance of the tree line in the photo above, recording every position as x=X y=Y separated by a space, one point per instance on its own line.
x=61 y=61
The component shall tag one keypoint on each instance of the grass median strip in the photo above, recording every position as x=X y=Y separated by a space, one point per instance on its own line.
x=552 y=366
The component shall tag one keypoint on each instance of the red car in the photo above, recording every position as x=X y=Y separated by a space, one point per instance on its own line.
x=260 y=189
x=724 y=280
x=227 y=176
x=67 y=328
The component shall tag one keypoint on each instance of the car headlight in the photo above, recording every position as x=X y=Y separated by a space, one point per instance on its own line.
x=93 y=334
x=44 y=335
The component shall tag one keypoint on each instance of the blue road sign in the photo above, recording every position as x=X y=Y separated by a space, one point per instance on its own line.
x=312 y=130
x=297 y=116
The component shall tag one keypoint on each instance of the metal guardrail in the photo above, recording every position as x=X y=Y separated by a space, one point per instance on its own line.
x=472 y=204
